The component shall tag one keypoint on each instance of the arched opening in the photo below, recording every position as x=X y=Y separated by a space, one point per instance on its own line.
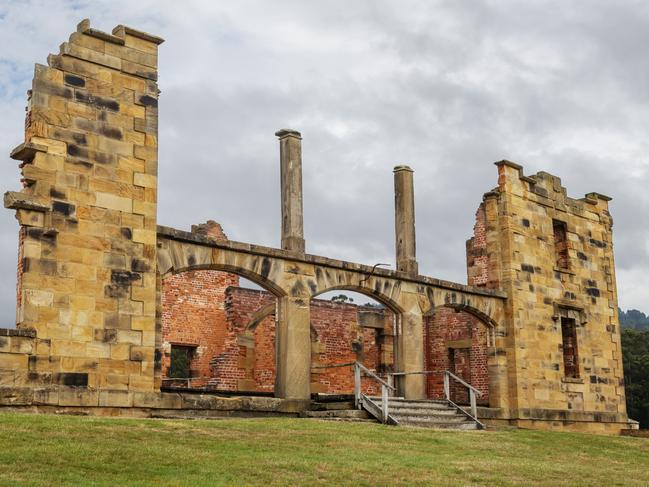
x=457 y=339
x=207 y=340
x=350 y=326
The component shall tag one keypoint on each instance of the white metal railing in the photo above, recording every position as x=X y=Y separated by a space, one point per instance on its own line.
x=392 y=375
x=448 y=375
x=381 y=411
x=188 y=380
x=362 y=401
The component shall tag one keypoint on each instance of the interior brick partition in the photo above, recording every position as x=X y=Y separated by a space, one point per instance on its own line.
x=193 y=312
x=205 y=309
x=456 y=341
x=193 y=305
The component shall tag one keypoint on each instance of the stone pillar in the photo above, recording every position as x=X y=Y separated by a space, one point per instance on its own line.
x=293 y=348
x=290 y=145
x=404 y=220
x=411 y=355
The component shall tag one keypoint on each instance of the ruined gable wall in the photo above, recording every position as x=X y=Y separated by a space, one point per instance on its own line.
x=541 y=292
x=88 y=215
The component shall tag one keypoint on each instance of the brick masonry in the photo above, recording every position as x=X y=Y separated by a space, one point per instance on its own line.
x=456 y=341
x=236 y=351
x=233 y=351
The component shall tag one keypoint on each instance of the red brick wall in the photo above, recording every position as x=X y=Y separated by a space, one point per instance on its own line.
x=264 y=366
x=193 y=313
x=19 y=276
x=340 y=339
x=229 y=368
x=476 y=252
x=334 y=331
x=207 y=310
x=470 y=364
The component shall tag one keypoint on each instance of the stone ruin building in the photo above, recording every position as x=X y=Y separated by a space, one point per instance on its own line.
x=117 y=315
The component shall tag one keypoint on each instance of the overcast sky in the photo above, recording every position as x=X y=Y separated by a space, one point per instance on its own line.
x=447 y=87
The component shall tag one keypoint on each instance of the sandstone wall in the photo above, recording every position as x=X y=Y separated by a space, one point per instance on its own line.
x=548 y=281
x=87 y=210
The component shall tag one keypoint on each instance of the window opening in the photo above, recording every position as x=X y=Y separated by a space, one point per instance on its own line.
x=181 y=358
x=569 y=340
x=560 y=244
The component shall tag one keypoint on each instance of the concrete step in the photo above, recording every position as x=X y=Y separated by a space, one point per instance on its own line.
x=394 y=402
x=424 y=412
x=431 y=419
x=339 y=413
x=427 y=414
x=325 y=406
x=467 y=425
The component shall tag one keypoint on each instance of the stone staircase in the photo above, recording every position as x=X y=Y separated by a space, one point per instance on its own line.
x=428 y=414
x=339 y=410
x=402 y=412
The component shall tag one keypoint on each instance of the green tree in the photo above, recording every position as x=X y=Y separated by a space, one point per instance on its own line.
x=633 y=318
x=635 y=354
x=342 y=298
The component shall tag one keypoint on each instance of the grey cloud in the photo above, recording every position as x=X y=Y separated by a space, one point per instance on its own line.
x=447 y=87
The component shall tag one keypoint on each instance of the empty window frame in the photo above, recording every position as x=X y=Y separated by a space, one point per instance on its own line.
x=181 y=358
x=569 y=345
x=560 y=231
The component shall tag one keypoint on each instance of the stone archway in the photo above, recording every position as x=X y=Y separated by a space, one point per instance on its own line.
x=459 y=339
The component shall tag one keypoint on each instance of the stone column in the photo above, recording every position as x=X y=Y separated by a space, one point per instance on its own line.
x=404 y=220
x=293 y=349
x=290 y=146
x=410 y=348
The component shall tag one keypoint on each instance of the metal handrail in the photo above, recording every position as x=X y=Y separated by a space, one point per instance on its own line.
x=472 y=396
x=185 y=379
x=331 y=366
x=374 y=376
x=448 y=372
x=421 y=372
x=361 y=400
x=391 y=375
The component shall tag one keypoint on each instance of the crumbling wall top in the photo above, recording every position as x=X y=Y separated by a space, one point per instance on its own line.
x=546 y=189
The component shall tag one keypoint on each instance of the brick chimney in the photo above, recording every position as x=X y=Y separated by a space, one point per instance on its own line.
x=210 y=229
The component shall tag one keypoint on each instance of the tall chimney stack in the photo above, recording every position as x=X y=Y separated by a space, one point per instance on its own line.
x=290 y=153
x=404 y=220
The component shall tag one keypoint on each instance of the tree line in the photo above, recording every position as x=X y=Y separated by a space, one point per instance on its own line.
x=635 y=355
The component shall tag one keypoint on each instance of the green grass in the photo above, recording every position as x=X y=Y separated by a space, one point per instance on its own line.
x=68 y=450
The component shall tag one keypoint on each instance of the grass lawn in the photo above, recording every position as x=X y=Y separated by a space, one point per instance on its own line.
x=67 y=450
